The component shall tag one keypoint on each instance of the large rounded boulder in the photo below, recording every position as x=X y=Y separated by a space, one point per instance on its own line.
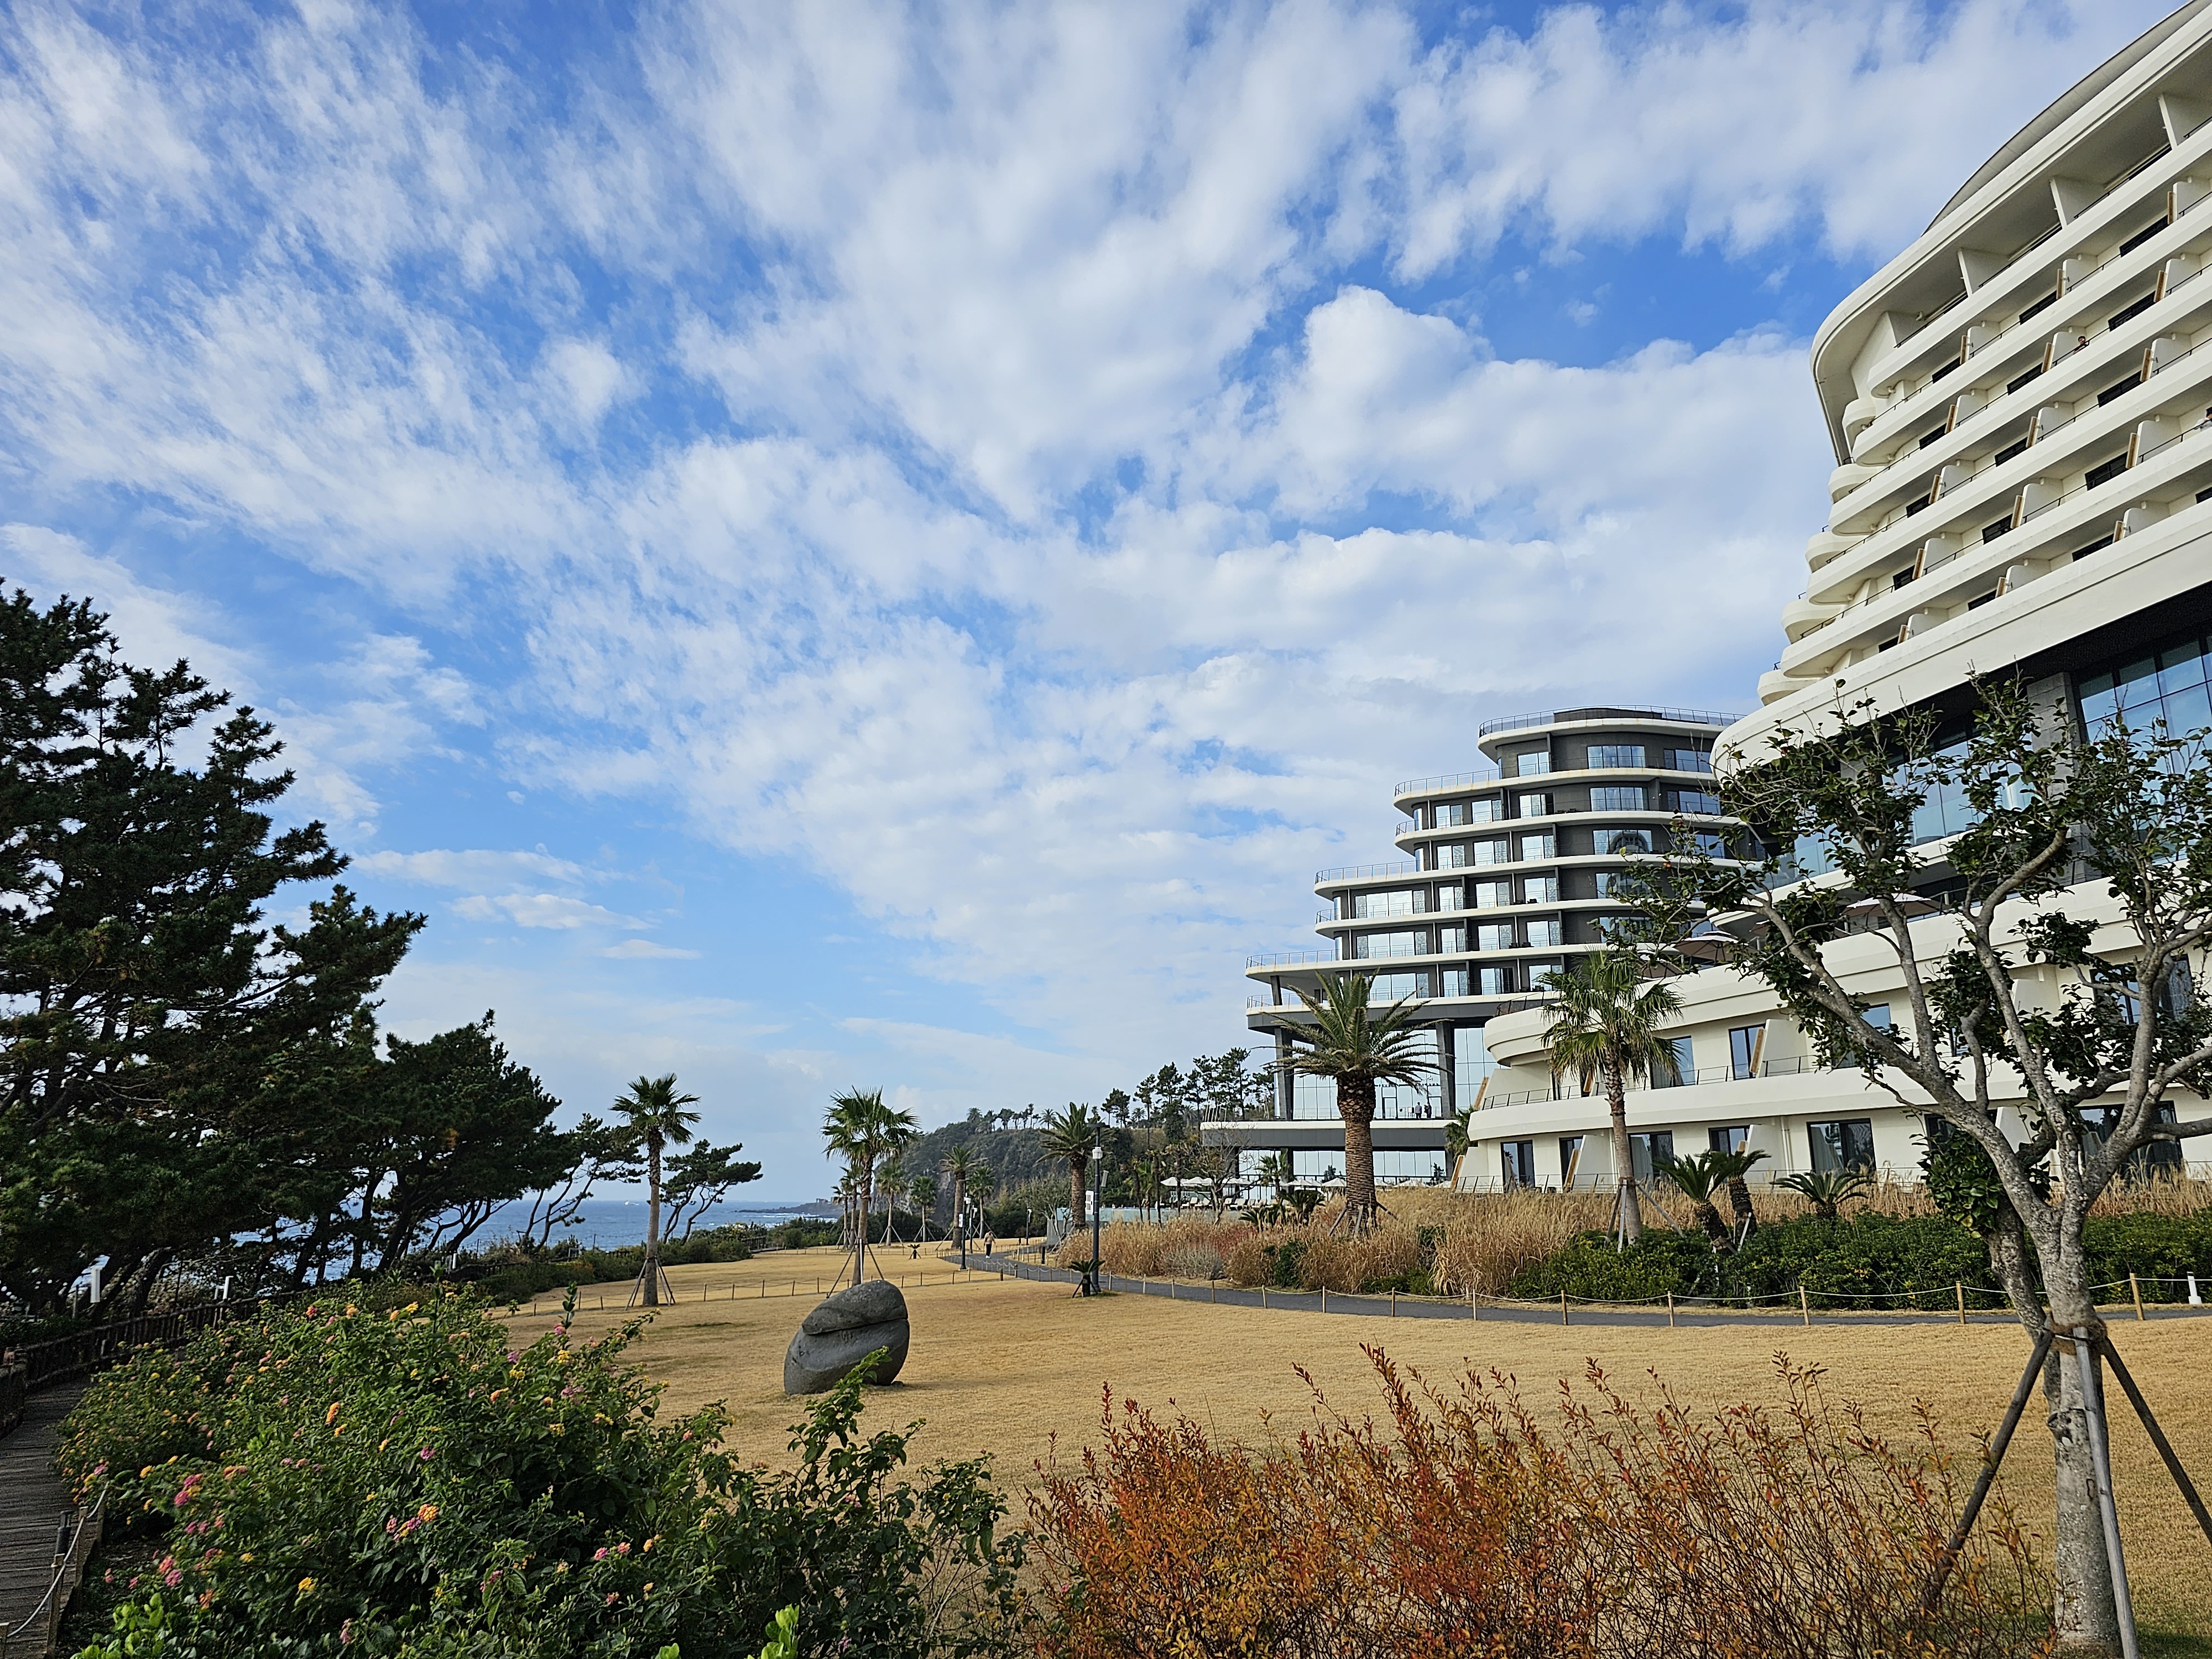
x=847 y=1326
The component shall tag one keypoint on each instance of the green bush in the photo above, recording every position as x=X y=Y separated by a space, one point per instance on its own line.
x=408 y=1485
x=1865 y=1260
x=2162 y=1251
x=1588 y=1267
x=1284 y=1263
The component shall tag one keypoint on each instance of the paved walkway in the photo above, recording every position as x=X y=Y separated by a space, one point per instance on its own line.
x=32 y=1502
x=1686 y=1315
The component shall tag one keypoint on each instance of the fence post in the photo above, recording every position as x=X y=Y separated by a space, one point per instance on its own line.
x=1670 y=1310
x=1959 y=1285
x=2135 y=1286
x=1804 y=1308
x=1563 y=1307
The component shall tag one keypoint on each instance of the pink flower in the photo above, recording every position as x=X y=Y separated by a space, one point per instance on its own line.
x=425 y=1454
x=622 y=1549
x=173 y=1577
x=600 y=1554
x=613 y=1597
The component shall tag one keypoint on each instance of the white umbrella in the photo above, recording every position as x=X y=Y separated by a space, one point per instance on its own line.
x=1910 y=904
x=1707 y=947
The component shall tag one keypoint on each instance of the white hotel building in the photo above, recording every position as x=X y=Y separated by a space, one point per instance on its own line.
x=2021 y=404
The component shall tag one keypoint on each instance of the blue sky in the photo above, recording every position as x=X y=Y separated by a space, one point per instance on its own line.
x=885 y=545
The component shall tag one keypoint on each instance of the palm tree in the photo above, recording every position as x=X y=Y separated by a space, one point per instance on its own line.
x=1828 y=1189
x=1349 y=1043
x=864 y=1131
x=1733 y=1166
x=1068 y=1136
x=1458 y=1134
x=961 y=1163
x=656 y=1118
x=1698 y=1179
x=921 y=1192
x=1274 y=1170
x=1605 y=1030
x=891 y=1182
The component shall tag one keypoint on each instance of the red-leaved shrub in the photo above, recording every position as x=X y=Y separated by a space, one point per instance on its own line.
x=1465 y=1526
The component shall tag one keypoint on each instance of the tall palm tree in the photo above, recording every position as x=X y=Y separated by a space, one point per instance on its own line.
x=1606 y=1030
x=961 y=1163
x=864 y=1131
x=891 y=1184
x=656 y=1118
x=1069 y=1136
x=1357 y=1048
x=1459 y=1133
x=1733 y=1166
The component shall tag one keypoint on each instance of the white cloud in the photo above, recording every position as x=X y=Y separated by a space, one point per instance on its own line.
x=478 y=868
x=644 y=949
x=554 y=910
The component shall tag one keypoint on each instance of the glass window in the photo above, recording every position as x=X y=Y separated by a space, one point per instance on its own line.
x=1471 y=1063
x=1712 y=846
x=1494 y=936
x=1745 y=1043
x=1616 y=754
x=1407 y=942
x=1623 y=840
x=1460 y=854
x=1625 y=799
x=1399 y=1165
x=1844 y=1144
x=1698 y=803
x=1490 y=895
x=1533 y=764
x=1451 y=981
x=1494 y=982
x=1448 y=895
x=1398 y=901
x=1686 y=1066
x=1451 y=813
x=1390 y=987
x=1537 y=806
x=1518 y=1158
x=1652 y=1147
x=2168 y=685
x=1539 y=889
x=1450 y=939
x=1535 y=847
x=1687 y=760
x=1877 y=1015
x=1730 y=1138
x=1570 y=1155
x=1544 y=933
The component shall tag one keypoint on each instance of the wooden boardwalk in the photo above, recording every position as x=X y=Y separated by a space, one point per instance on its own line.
x=32 y=1503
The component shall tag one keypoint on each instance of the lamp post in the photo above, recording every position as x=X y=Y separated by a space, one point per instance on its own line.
x=1097 y=1190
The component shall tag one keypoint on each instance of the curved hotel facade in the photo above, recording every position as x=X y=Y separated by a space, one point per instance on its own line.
x=1504 y=873
x=2021 y=404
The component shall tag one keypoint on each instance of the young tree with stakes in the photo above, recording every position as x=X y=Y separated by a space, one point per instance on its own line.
x=2057 y=985
x=864 y=1131
x=1067 y=1139
x=654 y=1112
x=1605 y=1027
x=1358 y=1049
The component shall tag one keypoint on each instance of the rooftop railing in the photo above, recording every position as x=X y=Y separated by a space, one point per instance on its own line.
x=1368 y=872
x=1622 y=712
x=1446 y=781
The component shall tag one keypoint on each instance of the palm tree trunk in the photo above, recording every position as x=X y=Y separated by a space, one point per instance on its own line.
x=653 y=1221
x=1747 y=1220
x=1076 y=1206
x=1624 y=1161
x=1355 y=1104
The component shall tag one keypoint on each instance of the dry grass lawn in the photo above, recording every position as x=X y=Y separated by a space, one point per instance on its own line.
x=1010 y=1367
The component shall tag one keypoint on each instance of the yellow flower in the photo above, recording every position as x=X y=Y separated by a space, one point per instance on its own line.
x=426 y=1514
x=556 y=1428
x=148 y=1470
x=307 y=1587
x=248 y=1556
x=331 y=1414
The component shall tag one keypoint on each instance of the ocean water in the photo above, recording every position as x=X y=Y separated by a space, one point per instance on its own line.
x=610 y=1223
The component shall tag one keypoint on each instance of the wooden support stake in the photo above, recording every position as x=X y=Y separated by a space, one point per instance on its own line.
x=2136 y=1287
x=1393 y=1304
x=2158 y=1438
x=1670 y=1310
x=1804 y=1308
x=1563 y=1307
x=1957 y=1541
x=1960 y=1288
x=1324 y=1298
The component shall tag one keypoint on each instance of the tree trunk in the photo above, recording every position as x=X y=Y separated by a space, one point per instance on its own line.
x=653 y=1222
x=1747 y=1220
x=1710 y=1220
x=2082 y=1611
x=1355 y=1104
x=1076 y=1206
x=1623 y=1161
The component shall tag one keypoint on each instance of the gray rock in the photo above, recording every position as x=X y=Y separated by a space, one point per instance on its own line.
x=847 y=1326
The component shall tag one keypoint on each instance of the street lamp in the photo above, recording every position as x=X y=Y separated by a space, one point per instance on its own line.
x=1097 y=1190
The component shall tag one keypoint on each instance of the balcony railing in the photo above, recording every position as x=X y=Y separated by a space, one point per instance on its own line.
x=1289 y=958
x=1795 y=1066
x=1443 y=782
x=1678 y=716
x=1368 y=872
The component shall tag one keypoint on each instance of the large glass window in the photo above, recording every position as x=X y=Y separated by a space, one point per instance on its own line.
x=1728 y=1137
x=1462 y=854
x=1450 y=939
x=1495 y=981
x=1687 y=760
x=1745 y=1043
x=1451 y=981
x=1398 y=901
x=1648 y=1149
x=1533 y=764
x=1845 y=1144
x=1535 y=847
x=1696 y=803
x=1450 y=814
x=1408 y=943
x=1623 y=841
x=1533 y=805
x=1616 y=755
x=1623 y=798
x=1399 y=1165
x=2168 y=683
x=1471 y=1063
x=1492 y=895
x=2158 y=1159
x=1539 y=889
x=1448 y=895
x=1544 y=933
x=1494 y=936
x=1390 y=987
x=1518 y=1162
x=1686 y=1066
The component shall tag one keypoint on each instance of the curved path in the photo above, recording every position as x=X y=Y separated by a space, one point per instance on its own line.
x=33 y=1504
x=1686 y=1314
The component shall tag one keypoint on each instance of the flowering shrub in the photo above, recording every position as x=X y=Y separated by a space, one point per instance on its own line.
x=1467 y=1527
x=340 y=1480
